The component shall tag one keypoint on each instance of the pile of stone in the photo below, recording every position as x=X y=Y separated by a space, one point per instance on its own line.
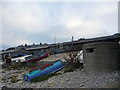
x=76 y=79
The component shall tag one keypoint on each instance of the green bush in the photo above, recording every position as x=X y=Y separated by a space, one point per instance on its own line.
x=14 y=67
x=3 y=71
x=44 y=77
x=69 y=69
x=8 y=68
x=14 y=80
x=4 y=79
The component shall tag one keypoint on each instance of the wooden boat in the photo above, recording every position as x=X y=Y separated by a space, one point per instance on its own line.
x=36 y=57
x=45 y=69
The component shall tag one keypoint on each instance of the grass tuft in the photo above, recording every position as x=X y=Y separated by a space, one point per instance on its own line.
x=69 y=69
x=14 y=79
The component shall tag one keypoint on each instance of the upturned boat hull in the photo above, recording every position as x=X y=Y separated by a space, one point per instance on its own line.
x=47 y=69
x=37 y=58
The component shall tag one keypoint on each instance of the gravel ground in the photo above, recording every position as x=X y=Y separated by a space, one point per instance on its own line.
x=76 y=79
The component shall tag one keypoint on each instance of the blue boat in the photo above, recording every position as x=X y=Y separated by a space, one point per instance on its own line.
x=47 y=69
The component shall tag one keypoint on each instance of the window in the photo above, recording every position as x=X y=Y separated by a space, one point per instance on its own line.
x=90 y=50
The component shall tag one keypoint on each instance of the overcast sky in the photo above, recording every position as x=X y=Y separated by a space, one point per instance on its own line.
x=26 y=22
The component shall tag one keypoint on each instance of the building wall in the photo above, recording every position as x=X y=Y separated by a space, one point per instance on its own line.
x=100 y=56
x=119 y=55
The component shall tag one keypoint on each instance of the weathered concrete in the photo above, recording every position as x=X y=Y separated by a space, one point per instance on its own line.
x=101 y=56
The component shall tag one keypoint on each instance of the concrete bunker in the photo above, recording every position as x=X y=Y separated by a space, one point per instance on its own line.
x=100 y=56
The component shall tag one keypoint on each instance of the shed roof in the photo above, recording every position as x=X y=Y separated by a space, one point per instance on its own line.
x=36 y=47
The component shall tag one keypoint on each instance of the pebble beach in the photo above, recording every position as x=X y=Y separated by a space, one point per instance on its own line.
x=76 y=79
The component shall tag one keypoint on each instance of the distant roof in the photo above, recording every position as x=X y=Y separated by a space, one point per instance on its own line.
x=8 y=51
x=104 y=38
x=80 y=41
x=36 y=47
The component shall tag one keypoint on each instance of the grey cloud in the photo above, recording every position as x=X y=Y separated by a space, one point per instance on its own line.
x=41 y=22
